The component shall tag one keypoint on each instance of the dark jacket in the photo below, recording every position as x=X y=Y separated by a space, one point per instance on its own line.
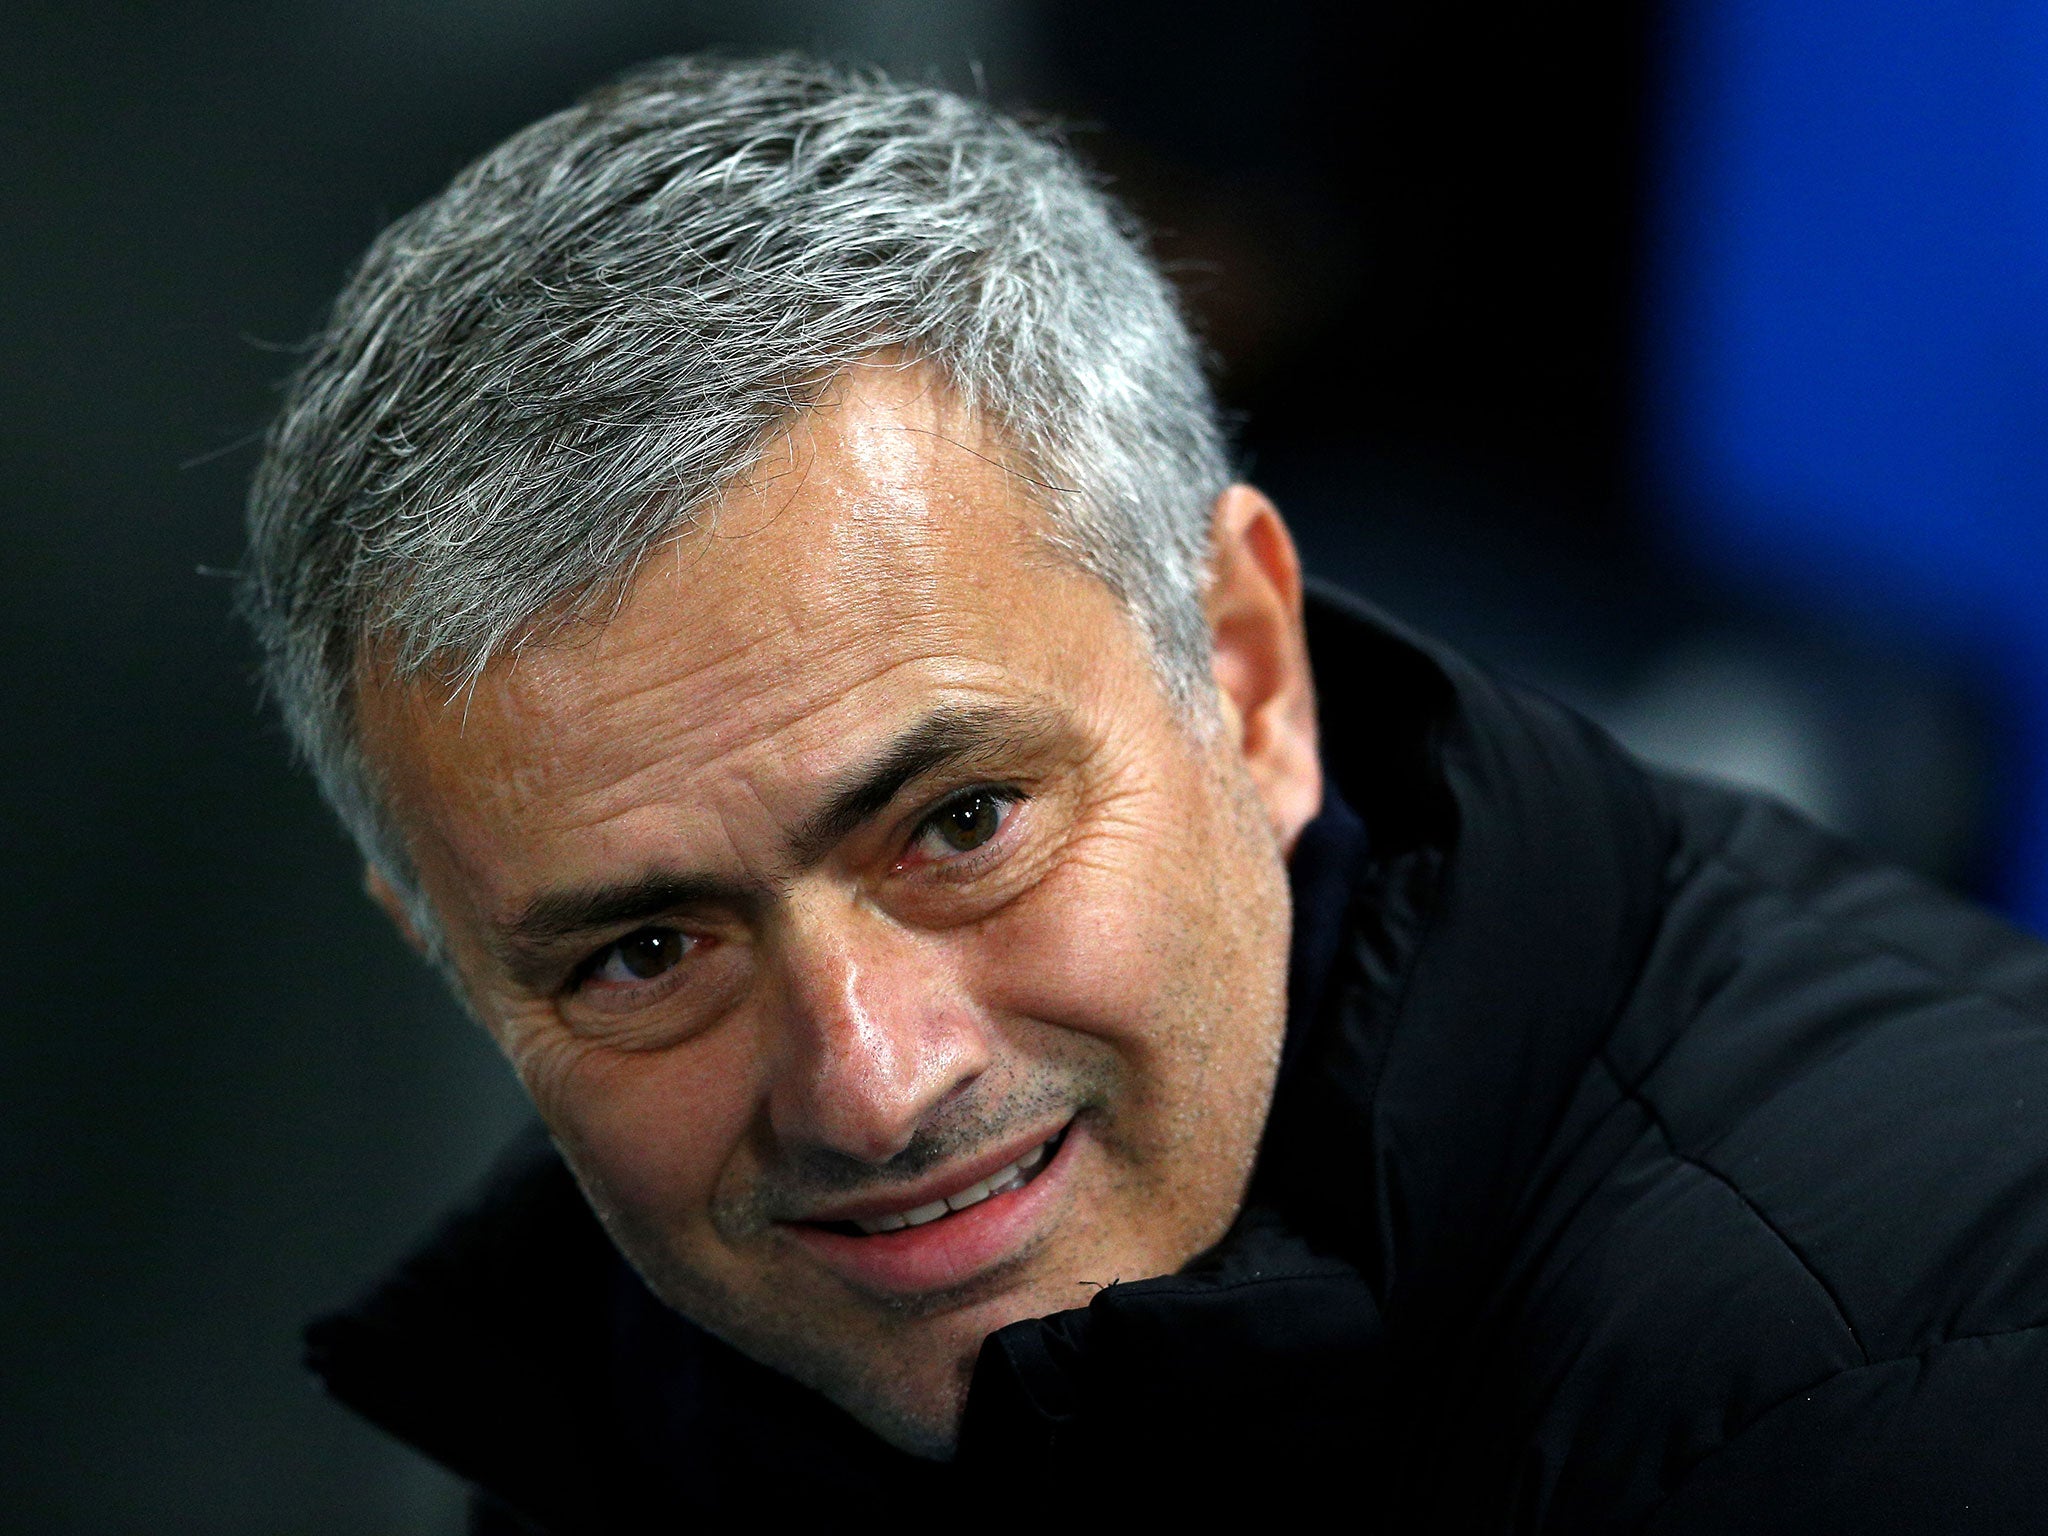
x=1643 y=1159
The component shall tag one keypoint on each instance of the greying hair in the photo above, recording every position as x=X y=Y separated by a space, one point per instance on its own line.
x=556 y=364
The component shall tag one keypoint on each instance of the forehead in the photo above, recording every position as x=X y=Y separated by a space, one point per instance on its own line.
x=877 y=560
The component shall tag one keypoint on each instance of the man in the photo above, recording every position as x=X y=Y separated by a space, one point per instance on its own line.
x=753 y=564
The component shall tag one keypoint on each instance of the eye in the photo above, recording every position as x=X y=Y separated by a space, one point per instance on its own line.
x=964 y=823
x=640 y=956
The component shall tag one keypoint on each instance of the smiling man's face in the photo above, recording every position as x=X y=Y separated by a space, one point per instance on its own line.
x=889 y=959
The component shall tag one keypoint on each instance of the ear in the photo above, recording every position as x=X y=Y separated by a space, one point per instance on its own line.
x=1261 y=657
x=386 y=896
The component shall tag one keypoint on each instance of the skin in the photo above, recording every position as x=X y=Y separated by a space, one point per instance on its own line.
x=1071 y=919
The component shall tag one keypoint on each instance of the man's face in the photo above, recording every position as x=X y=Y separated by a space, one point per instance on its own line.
x=888 y=958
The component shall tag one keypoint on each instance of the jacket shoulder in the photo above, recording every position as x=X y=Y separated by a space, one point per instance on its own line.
x=1804 y=1184
x=487 y=1350
x=1944 y=1440
x=1862 y=1059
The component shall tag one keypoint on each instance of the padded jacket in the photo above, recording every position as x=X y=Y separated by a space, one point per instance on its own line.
x=1643 y=1159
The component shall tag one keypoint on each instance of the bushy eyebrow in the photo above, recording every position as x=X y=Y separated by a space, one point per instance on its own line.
x=943 y=737
x=556 y=915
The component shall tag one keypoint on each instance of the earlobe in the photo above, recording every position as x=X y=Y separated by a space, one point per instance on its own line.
x=382 y=892
x=1260 y=653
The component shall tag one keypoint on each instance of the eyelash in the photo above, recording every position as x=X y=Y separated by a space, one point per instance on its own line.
x=585 y=974
x=965 y=862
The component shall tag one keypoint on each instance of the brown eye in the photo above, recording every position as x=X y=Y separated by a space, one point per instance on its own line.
x=965 y=824
x=641 y=956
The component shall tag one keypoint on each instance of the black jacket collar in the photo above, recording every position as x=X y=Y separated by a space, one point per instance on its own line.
x=1486 y=939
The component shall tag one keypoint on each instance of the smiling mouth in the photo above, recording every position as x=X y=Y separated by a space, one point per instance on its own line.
x=1002 y=1182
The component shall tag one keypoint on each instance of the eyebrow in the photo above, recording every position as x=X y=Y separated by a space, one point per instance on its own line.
x=556 y=915
x=941 y=738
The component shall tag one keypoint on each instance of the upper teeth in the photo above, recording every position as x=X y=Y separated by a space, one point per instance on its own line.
x=1000 y=1182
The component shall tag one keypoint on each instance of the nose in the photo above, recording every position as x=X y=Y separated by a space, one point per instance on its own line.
x=875 y=1034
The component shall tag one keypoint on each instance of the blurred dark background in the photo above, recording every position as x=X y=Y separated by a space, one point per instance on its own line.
x=1685 y=359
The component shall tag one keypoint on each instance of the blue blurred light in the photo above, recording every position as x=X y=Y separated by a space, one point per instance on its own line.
x=1849 y=313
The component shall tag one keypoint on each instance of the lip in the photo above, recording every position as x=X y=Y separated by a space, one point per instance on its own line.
x=947 y=1253
x=936 y=1186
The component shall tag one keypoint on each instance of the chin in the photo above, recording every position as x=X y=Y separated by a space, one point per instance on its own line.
x=928 y=1433
x=915 y=1410
x=913 y=1391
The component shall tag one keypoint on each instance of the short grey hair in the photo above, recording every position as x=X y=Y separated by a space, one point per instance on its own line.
x=556 y=364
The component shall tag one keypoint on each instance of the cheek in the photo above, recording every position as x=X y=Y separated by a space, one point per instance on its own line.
x=1117 y=941
x=652 y=1132
x=1070 y=956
